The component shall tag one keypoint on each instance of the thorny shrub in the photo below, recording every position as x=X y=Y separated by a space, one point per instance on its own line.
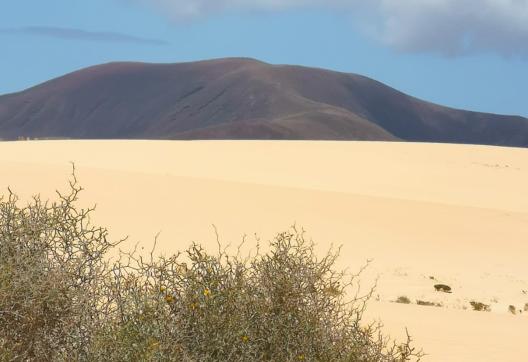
x=62 y=298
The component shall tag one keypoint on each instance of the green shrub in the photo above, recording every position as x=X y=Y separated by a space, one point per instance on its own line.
x=61 y=299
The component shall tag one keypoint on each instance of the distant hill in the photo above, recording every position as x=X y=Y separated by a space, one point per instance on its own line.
x=239 y=99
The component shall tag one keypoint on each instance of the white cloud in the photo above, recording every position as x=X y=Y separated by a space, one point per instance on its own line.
x=80 y=34
x=449 y=27
x=454 y=27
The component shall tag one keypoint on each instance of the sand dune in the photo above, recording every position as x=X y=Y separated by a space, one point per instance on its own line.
x=456 y=213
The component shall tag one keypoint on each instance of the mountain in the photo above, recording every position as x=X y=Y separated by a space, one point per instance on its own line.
x=239 y=98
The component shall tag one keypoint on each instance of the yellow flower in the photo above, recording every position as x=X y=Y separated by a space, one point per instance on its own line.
x=169 y=298
x=206 y=292
x=194 y=306
x=244 y=339
x=300 y=357
x=162 y=289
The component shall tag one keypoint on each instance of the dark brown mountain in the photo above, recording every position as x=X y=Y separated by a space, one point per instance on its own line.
x=239 y=99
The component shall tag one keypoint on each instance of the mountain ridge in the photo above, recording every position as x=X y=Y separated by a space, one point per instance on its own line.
x=239 y=98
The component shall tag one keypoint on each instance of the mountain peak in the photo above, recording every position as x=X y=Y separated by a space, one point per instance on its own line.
x=233 y=98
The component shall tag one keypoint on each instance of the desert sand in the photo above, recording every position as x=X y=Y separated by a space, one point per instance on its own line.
x=424 y=213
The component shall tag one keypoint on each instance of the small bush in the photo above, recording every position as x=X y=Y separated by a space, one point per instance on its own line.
x=428 y=304
x=61 y=299
x=526 y=307
x=403 y=300
x=512 y=309
x=480 y=307
x=443 y=288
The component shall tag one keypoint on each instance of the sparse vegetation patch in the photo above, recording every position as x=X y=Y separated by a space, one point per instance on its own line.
x=403 y=300
x=480 y=307
x=428 y=304
x=443 y=288
x=61 y=299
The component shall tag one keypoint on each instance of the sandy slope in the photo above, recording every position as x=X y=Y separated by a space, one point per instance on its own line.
x=455 y=213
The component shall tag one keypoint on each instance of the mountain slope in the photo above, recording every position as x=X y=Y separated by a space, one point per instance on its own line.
x=239 y=99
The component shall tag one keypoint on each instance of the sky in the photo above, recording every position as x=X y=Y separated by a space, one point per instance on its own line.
x=470 y=54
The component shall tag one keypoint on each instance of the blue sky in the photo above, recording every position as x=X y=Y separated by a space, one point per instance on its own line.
x=470 y=54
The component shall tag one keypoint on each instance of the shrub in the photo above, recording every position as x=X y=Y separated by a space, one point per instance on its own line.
x=61 y=299
x=51 y=267
x=442 y=288
x=428 y=304
x=403 y=299
x=480 y=307
x=512 y=309
x=526 y=307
